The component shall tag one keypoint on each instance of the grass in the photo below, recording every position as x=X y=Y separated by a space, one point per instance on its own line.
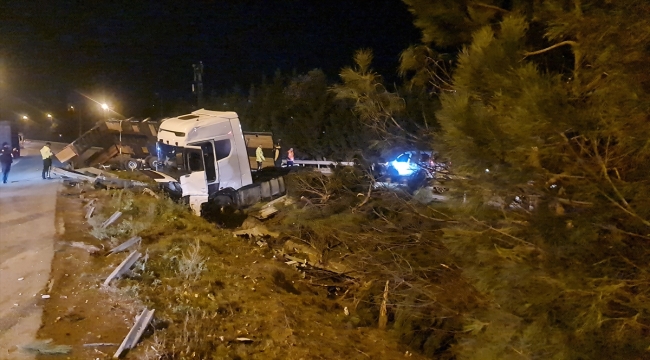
x=209 y=288
x=191 y=264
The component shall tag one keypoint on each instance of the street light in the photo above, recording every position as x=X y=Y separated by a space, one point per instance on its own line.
x=49 y=116
x=106 y=109
x=25 y=117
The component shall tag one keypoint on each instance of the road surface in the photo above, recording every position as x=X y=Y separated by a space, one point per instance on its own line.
x=27 y=232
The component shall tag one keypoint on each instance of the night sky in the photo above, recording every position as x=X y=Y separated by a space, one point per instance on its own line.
x=133 y=52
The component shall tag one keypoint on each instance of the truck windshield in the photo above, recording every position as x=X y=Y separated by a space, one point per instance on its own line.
x=167 y=155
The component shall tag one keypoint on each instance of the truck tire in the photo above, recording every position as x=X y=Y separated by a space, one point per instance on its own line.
x=130 y=164
x=153 y=162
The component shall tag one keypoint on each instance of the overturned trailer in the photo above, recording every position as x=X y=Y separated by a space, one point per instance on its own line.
x=122 y=144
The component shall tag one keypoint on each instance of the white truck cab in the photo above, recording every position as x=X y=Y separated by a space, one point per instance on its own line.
x=209 y=150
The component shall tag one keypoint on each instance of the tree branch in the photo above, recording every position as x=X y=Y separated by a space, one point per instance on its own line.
x=491 y=7
x=568 y=42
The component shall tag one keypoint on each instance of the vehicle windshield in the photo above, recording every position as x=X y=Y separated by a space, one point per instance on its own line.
x=171 y=159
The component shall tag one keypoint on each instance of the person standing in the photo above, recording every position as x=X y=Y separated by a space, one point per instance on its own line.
x=277 y=150
x=6 y=158
x=259 y=156
x=47 y=155
x=290 y=157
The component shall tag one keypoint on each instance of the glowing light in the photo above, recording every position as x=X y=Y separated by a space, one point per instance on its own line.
x=403 y=168
x=105 y=106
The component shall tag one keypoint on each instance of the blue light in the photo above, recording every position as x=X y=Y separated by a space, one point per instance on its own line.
x=403 y=168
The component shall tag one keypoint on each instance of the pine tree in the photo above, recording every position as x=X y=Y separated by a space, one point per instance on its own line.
x=556 y=226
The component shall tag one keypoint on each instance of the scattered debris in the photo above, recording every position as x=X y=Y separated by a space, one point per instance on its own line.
x=73 y=175
x=331 y=266
x=123 y=267
x=119 y=183
x=346 y=311
x=125 y=245
x=116 y=215
x=90 y=248
x=46 y=347
x=90 y=203
x=266 y=212
x=280 y=199
x=21 y=279
x=243 y=339
x=257 y=231
x=45 y=296
x=96 y=172
x=294 y=247
x=90 y=212
x=151 y=193
x=100 y=344
x=132 y=338
x=250 y=222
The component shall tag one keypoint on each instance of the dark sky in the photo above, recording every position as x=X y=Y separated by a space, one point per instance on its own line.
x=129 y=51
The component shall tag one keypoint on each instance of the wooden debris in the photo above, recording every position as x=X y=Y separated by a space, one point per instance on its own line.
x=243 y=339
x=295 y=247
x=125 y=245
x=271 y=203
x=123 y=267
x=90 y=212
x=151 y=193
x=266 y=213
x=383 y=314
x=116 y=215
x=134 y=335
x=90 y=203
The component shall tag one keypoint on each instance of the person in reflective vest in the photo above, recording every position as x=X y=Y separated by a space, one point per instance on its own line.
x=259 y=157
x=47 y=155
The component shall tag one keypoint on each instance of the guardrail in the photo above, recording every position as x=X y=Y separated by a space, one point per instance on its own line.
x=322 y=166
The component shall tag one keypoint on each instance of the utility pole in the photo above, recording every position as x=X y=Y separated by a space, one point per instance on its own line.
x=197 y=86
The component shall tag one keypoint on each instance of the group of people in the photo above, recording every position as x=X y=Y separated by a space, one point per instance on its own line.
x=7 y=158
x=277 y=149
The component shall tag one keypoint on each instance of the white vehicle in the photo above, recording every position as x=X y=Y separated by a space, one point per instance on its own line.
x=211 y=157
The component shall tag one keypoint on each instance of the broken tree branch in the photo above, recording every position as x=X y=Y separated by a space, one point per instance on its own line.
x=504 y=233
x=486 y=6
x=563 y=43
x=383 y=314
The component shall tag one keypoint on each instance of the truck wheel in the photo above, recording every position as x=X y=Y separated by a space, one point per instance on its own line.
x=153 y=162
x=131 y=164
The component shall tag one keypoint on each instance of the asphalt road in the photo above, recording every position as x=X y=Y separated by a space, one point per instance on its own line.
x=27 y=232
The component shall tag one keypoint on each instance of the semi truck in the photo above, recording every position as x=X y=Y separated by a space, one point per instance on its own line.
x=206 y=159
